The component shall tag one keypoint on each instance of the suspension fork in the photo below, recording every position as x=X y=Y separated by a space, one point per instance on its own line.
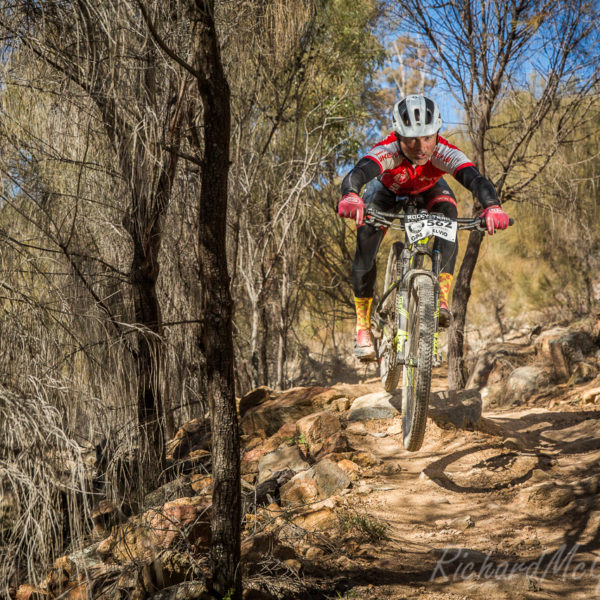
x=436 y=258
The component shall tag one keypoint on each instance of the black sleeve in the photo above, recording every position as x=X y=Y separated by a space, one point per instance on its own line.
x=481 y=187
x=365 y=170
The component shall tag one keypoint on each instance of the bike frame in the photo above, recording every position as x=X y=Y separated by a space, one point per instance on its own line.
x=411 y=259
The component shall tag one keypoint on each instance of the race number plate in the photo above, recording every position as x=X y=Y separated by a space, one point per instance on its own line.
x=421 y=226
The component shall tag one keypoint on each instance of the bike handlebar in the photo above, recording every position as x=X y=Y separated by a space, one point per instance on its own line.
x=464 y=223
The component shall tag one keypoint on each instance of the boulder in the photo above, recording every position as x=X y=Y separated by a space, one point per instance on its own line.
x=335 y=444
x=563 y=349
x=494 y=363
x=144 y=536
x=285 y=435
x=378 y=405
x=255 y=398
x=322 y=519
x=288 y=457
x=287 y=407
x=318 y=426
x=301 y=489
x=351 y=469
x=325 y=479
x=456 y=409
x=524 y=382
x=271 y=486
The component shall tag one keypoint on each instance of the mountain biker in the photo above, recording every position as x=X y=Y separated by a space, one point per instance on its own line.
x=409 y=161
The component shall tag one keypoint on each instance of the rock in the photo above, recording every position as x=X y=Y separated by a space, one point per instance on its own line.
x=335 y=444
x=377 y=405
x=289 y=457
x=194 y=435
x=341 y=404
x=563 y=348
x=457 y=409
x=285 y=435
x=526 y=381
x=255 y=398
x=490 y=366
x=328 y=399
x=323 y=519
x=179 y=488
x=256 y=547
x=366 y=459
x=272 y=485
x=351 y=469
x=317 y=427
x=287 y=407
x=142 y=537
x=301 y=489
x=330 y=478
x=317 y=483
x=201 y=484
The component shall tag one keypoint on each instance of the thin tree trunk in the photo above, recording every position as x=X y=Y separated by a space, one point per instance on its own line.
x=263 y=363
x=216 y=340
x=283 y=320
x=460 y=299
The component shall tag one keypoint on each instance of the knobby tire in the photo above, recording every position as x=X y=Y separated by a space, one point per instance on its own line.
x=416 y=380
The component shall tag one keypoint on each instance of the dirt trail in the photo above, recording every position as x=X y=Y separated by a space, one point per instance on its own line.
x=509 y=511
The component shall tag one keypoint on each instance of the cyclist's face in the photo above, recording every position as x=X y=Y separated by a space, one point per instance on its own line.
x=418 y=149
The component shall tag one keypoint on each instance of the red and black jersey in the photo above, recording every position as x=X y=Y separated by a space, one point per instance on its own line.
x=401 y=176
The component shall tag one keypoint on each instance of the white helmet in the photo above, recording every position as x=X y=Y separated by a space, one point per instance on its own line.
x=416 y=116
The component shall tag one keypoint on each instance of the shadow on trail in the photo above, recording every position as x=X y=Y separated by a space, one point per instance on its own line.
x=559 y=432
x=436 y=470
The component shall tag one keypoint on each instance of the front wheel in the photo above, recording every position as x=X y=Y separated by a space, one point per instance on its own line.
x=416 y=376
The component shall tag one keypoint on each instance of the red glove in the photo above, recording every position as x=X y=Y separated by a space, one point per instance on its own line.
x=351 y=206
x=495 y=218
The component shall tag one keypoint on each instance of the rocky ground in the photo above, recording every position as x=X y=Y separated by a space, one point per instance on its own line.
x=501 y=502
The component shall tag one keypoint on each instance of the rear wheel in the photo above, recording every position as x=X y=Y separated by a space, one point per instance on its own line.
x=416 y=378
x=389 y=369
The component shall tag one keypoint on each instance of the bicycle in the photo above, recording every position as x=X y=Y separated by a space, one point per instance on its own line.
x=405 y=321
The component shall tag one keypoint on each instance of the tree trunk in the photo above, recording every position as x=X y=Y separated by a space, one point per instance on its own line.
x=282 y=329
x=151 y=417
x=460 y=299
x=216 y=341
x=263 y=362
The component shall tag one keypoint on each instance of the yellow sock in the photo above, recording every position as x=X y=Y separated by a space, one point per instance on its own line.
x=363 y=313
x=445 y=280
